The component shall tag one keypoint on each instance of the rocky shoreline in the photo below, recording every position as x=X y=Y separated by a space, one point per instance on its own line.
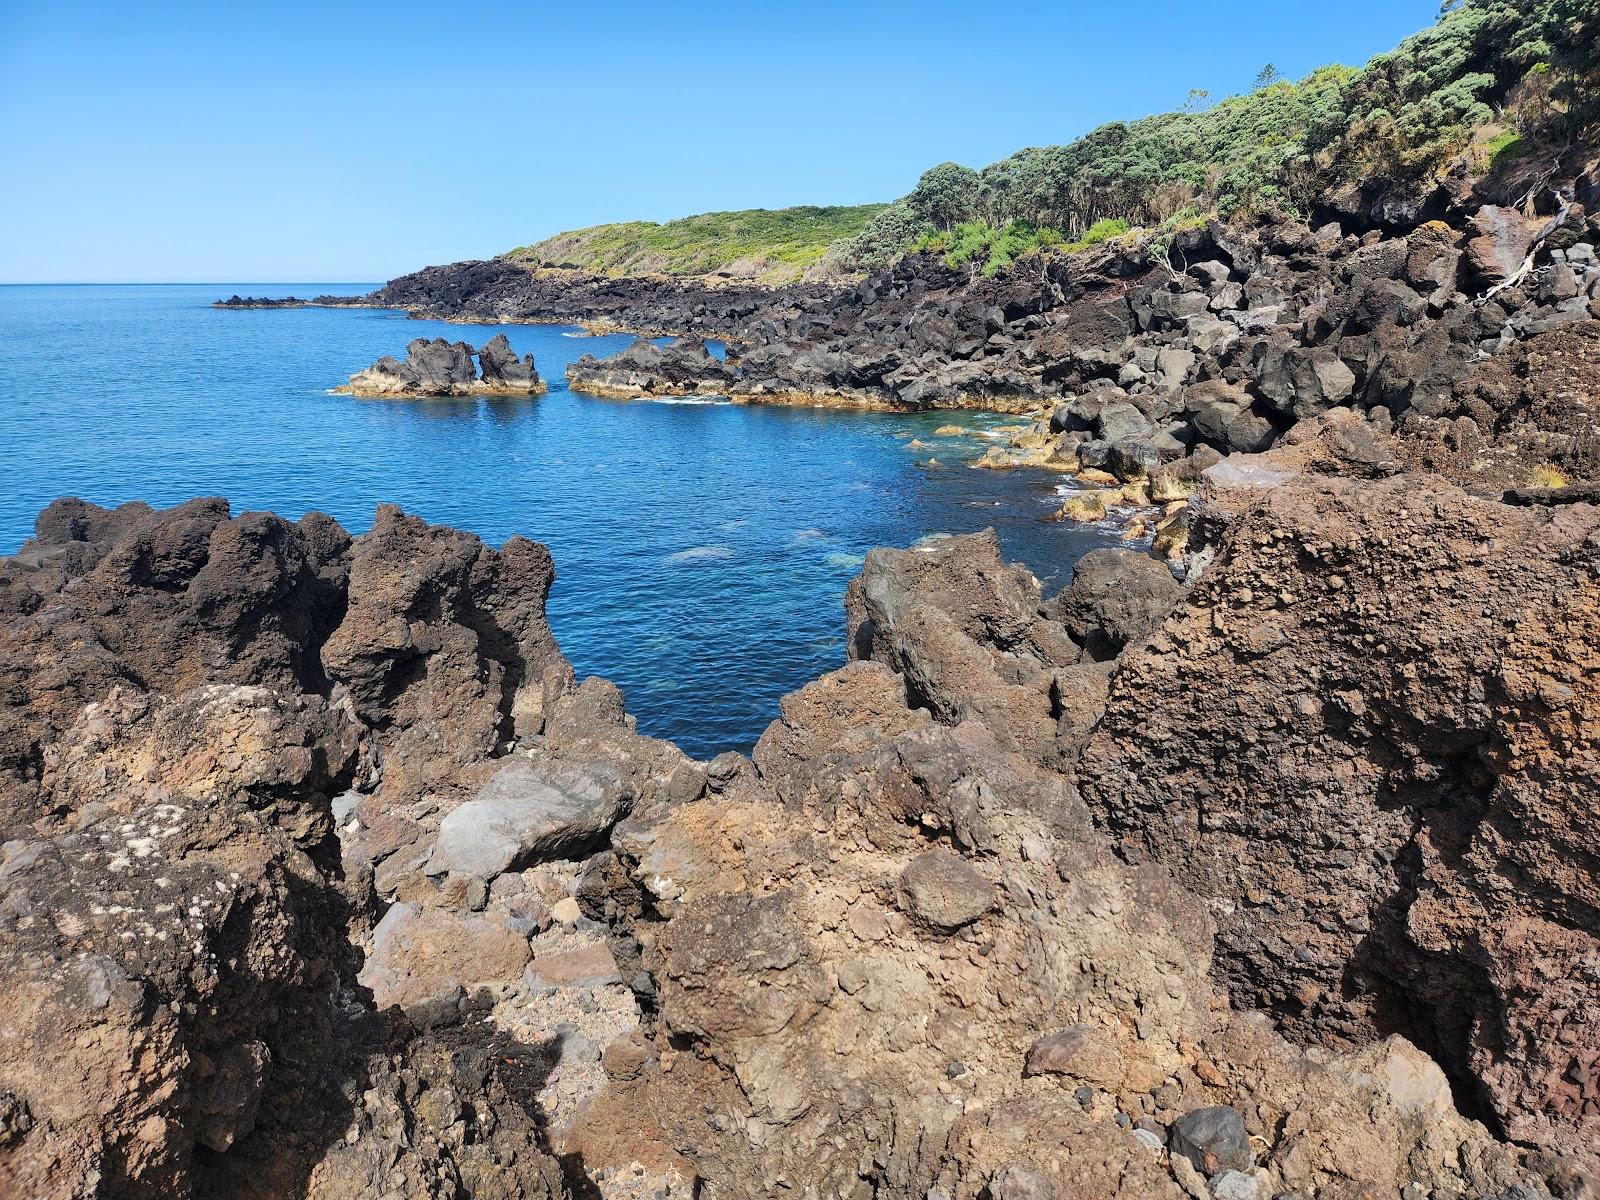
x=1261 y=867
x=1269 y=875
x=1138 y=368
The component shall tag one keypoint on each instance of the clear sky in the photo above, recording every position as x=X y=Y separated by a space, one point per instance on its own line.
x=321 y=142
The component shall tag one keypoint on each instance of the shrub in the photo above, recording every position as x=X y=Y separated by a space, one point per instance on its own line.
x=1546 y=476
x=1284 y=144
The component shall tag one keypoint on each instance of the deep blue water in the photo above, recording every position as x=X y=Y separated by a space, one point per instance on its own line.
x=702 y=550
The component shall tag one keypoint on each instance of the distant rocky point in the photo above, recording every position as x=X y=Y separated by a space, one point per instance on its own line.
x=439 y=368
x=238 y=301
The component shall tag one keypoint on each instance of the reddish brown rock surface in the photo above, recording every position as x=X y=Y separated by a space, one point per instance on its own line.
x=980 y=918
x=1368 y=735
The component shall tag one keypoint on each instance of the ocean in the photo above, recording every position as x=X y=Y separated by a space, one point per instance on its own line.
x=702 y=550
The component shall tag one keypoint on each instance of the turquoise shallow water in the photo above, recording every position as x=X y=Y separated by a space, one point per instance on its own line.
x=702 y=550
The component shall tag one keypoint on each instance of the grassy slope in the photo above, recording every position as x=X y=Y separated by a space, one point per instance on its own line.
x=772 y=245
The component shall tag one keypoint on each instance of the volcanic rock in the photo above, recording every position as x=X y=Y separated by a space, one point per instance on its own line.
x=684 y=367
x=529 y=810
x=1213 y=1139
x=1499 y=242
x=1419 y=760
x=502 y=371
x=442 y=368
x=944 y=893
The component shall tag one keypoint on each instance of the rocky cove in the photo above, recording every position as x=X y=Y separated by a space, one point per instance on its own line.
x=325 y=875
x=1264 y=871
x=1138 y=366
x=1078 y=682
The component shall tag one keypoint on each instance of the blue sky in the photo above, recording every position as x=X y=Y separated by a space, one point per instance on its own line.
x=355 y=141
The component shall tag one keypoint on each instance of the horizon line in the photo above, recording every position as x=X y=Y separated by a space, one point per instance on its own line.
x=178 y=282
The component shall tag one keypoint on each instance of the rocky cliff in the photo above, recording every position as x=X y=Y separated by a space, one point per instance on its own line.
x=323 y=875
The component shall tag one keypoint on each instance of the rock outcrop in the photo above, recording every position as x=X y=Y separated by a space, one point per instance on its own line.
x=238 y=301
x=1365 y=735
x=195 y=704
x=323 y=876
x=683 y=367
x=442 y=368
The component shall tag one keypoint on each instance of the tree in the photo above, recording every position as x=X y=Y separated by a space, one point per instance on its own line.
x=1266 y=77
x=945 y=196
x=1198 y=100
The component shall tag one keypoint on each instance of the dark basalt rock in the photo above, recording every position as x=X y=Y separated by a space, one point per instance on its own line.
x=503 y=370
x=1116 y=597
x=443 y=368
x=1292 y=320
x=238 y=301
x=683 y=367
x=1213 y=1139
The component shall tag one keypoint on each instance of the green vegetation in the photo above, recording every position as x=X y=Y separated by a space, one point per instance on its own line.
x=772 y=245
x=1405 y=116
x=1496 y=80
x=1504 y=147
x=990 y=250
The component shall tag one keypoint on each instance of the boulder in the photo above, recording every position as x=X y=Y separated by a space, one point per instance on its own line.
x=1116 y=597
x=1173 y=366
x=1249 y=433
x=1301 y=381
x=1120 y=419
x=530 y=810
x=944 y=893
x=1213 y=417
x=1432 y=260
x=1133 y=458
x=1387 y=302
x=1213 y=1139
x=424 y=961
x=1499 y=243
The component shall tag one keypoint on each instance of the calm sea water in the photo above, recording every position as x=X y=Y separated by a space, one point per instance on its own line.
x=702 y=550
